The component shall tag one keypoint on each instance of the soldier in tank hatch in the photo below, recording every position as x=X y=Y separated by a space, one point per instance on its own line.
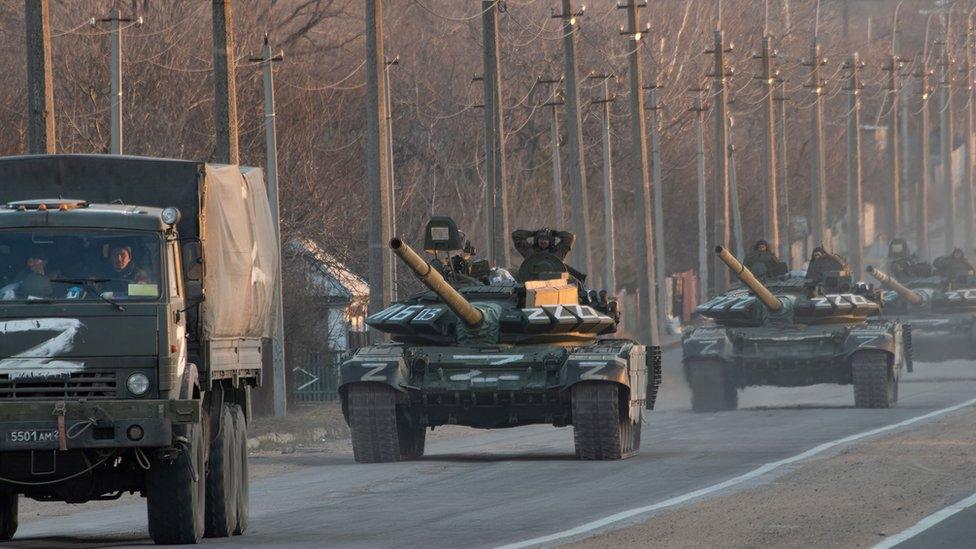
x=529 y=243
x=822 y=262
x=763 y=262
x=954 y=265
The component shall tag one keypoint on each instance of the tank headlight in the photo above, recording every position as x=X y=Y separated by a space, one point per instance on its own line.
x=171 y=216
x=137 y=384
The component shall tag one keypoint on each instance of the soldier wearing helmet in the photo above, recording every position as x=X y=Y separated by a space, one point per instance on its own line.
x=557 y=243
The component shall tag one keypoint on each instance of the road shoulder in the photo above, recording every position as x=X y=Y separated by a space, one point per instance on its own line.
x=854 y=498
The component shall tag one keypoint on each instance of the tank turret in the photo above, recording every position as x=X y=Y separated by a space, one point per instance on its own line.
x=467 y=312
x=890 y=283
x=746 y=277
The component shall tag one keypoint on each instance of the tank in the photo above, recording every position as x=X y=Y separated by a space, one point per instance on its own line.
x=939 y=313
x=487 y=350
x=790 y=332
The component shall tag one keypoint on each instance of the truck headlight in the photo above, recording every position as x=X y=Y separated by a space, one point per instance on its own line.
x=137 y=384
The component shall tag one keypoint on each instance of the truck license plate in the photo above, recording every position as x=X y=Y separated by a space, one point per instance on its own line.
x=27 y=436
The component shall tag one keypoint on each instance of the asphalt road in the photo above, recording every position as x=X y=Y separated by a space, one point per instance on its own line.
x=506 y=486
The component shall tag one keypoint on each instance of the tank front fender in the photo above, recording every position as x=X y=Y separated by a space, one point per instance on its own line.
x=382 y=364
x=889 y=338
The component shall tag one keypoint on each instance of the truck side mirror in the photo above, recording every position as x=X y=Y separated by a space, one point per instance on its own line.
x=192 y=260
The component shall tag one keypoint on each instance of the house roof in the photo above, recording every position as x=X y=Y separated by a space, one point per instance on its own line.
x=330 y=273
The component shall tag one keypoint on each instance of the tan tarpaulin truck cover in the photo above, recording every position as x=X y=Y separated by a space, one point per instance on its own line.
x=240 y=248
x=225 y=206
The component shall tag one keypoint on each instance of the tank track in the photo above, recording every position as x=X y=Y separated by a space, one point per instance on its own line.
x=599 y=432
x=373 y=423
x=875 y=385
x=654 y=375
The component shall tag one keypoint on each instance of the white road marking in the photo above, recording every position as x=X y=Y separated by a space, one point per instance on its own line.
x=927 y=522
x=600 y=524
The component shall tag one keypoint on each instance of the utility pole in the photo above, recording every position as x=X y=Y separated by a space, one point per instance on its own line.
x=894 y=154
x=660 y=253
x=922 y=213
x=610 y=263
x=116 y=20
x=557 y=175
x=771 y=196
x=574 y=138
x=279 y=387
x=378 y=187
x=734 y=205
x=786 y=233
x=699 y=109
x=945 y=137
x=643 y=225
x=41 y=138
x=496 y=188
x=390 y=173
x=722 y=205
x=854 y=202
x=967 y=186
x=225 y=83
x=818 y=194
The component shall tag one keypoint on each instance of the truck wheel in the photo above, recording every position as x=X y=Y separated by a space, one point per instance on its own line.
x=8 y=516
x=599 y=432
x=711 y=388
x=243 y=484
x=373 y=423
x=174 y=500
x=222 y=478
x=875 y=384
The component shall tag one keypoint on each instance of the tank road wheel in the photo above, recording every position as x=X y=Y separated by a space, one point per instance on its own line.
x=222 y=478
x=175 y=493
x=875 y=384
x=711 y=388
x=599 y=431
x=8 y=516
x=378 y=434
x=243 y=483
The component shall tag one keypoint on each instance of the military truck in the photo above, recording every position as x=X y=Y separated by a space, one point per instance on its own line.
x=939 y=311
x=791 y=332
x=496 y=351
x=134 y=317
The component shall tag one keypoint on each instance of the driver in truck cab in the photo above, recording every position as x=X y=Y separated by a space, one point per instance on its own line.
x=122 y=271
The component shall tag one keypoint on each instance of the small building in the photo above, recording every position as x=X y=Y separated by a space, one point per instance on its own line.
x=340 y=296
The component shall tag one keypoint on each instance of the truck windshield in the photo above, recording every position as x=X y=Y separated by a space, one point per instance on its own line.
x=79 y=264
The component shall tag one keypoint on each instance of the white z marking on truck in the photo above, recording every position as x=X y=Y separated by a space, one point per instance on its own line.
x=41 y=360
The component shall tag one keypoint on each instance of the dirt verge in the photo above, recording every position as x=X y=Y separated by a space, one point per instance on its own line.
x=852 y=499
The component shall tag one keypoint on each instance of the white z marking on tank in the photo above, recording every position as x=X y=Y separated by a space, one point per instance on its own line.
x=496 y=360
x=40 y=360
x=466 y=377
x=371 y=375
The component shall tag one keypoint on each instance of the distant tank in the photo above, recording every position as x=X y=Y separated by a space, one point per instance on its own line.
x=486 y=350
x=790 y=332
x=939 y=312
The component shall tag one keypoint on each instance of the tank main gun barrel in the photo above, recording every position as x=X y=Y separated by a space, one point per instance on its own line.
x=745 y=275
x=467 y=312
x=889 y=282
